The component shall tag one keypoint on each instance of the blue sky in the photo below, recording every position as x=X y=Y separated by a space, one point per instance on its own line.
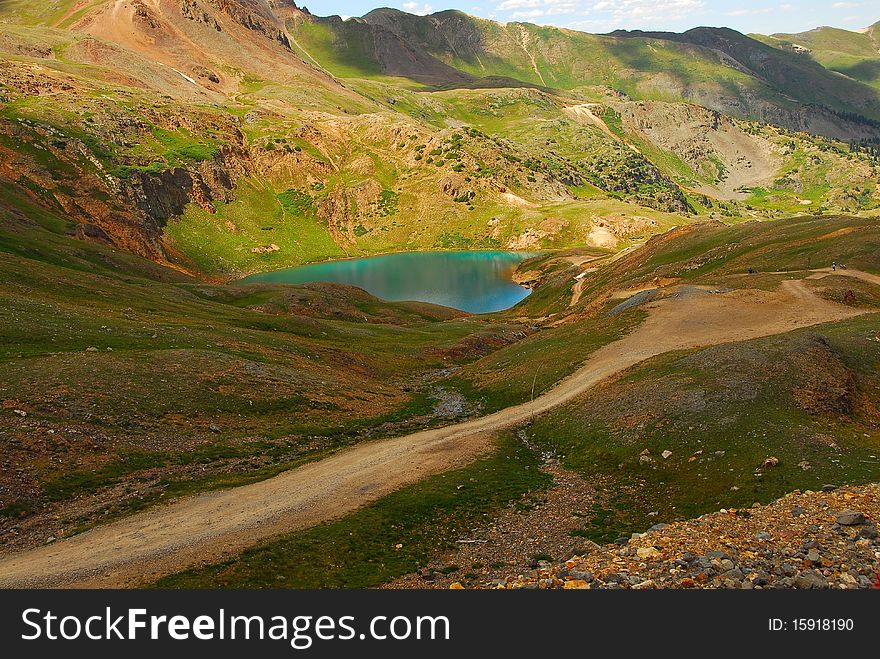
x=764 y=16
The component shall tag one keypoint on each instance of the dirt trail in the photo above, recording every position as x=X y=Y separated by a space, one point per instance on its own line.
x=858 y=274
x=216 y=525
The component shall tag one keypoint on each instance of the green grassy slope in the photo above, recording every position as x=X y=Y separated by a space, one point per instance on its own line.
x=144 y=375
x=854 y=54
x=662 y=66
x=808 y=398
x=787 y=72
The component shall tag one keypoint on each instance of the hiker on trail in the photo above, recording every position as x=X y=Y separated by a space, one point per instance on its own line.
x=834 y=265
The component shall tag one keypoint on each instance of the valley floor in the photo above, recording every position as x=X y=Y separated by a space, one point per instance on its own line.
x=217 y=525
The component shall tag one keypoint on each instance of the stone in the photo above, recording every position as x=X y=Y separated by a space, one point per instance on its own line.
x=868 y=532
x=809 y=579
x=666 y=454
x=850 y=518
x=647 y=553
x=847 y=578
x=658 y=527
x=645 y=459
x=829 y=488
x=582 y=576
x=770 y=462
x=797 y=511
x=622 y=541
x=763 y=535
x=455 y=585
x=576 y=584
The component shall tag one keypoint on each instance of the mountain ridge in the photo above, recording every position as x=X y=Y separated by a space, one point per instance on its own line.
x=168 y=128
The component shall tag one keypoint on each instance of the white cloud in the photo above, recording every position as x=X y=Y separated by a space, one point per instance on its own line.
x=417 y=9
x=844 y=5
x=525 y=15
x=751 y=12
x=517 y=4
x=640 y=13
x=554 y=4
x=539 y=7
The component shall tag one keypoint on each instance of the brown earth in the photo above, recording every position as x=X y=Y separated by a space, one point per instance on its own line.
x=213 y=526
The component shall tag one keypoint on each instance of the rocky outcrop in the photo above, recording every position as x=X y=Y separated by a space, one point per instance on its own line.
x=192 y=10
x=253 y=15
x=345 y=208
x=805 y=540
x=165 y=195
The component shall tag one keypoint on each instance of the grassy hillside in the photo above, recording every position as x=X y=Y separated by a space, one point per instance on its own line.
x=719 y=68
x=124 y=383
x=787 y=72
x=807 y=398
x=210 y=161
x=854 y=54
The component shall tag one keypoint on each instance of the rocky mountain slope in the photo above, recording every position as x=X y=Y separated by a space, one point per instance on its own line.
x=225 y=137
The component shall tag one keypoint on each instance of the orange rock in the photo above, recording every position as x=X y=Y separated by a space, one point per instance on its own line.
x=456 y=586
x=576 y=584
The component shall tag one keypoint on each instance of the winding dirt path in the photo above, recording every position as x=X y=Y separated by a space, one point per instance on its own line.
x=217 y=525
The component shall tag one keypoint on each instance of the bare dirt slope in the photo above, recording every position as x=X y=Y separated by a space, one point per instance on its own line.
x=710 y=143
x=209 y=48
x=212 y=526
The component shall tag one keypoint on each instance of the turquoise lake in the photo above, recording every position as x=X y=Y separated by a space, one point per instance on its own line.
x=477 y=282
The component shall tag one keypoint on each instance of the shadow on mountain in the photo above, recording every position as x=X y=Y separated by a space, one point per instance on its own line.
x=867 y=71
